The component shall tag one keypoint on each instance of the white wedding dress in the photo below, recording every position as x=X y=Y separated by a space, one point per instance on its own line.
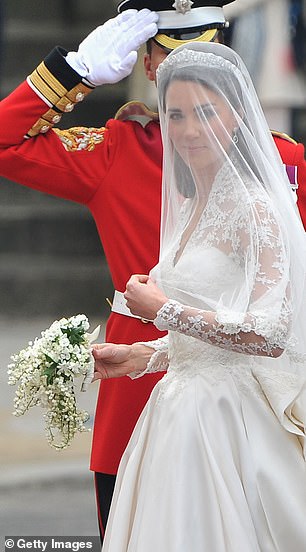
x=215 y=463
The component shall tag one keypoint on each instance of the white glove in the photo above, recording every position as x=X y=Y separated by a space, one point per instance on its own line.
x=109 y=53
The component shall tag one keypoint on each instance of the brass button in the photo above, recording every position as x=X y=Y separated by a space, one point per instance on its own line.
x=79 y=97
x=69 y=107
x=56 y=118
x=44 y=129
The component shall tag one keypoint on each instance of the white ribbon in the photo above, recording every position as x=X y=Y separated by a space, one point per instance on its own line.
x=91 y=364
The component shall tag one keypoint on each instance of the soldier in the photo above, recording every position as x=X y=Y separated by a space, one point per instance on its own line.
x=115 y=171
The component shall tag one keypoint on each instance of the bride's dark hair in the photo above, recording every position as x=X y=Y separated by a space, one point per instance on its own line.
x=231 y=90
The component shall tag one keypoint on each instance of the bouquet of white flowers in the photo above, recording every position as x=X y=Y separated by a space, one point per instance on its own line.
x=45 y=371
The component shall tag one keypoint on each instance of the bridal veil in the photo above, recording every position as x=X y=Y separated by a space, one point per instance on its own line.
x=221 y=170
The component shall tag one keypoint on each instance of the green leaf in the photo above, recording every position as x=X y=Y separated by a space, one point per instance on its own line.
x=50 y=372
x=75 y=335
x=49 y=359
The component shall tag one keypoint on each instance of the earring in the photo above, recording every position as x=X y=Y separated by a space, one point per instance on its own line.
x=235 y=136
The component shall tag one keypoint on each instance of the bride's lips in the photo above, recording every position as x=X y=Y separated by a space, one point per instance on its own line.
x=194 y=148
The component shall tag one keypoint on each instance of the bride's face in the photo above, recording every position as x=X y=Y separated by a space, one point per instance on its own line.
x=200 y=124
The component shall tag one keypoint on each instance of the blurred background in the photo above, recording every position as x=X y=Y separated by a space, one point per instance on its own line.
x=52 y=263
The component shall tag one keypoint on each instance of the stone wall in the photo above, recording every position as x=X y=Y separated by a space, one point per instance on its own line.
x=51 y=260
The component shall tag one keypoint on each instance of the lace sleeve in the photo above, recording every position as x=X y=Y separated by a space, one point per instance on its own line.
x=159 y=359
x=225 y=330
x=263 y=327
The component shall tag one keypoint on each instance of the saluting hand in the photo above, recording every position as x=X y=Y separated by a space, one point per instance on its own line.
x=109 y=53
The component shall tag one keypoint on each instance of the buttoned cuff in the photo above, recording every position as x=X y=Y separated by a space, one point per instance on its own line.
x=59 y=86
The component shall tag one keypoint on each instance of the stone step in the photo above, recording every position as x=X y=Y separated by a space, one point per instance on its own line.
x=61 y=231
x=26 y=44
x=68 y=11
x=51 y=259
x=34 y=10
x=14 y=194
x=31 y=286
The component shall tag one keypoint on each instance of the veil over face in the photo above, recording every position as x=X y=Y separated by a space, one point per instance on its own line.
x=225 y=189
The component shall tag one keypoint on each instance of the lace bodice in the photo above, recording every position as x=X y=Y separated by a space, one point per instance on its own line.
x=213 y=265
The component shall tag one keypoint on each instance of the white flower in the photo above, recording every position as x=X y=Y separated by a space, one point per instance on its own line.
x=45 y=371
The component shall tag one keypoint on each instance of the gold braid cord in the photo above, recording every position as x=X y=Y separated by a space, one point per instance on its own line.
x=283 y=136
x=57 y=96
x=81 y=138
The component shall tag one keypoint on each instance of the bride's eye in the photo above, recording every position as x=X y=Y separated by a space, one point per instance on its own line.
x=205 y=112
x=175 y=115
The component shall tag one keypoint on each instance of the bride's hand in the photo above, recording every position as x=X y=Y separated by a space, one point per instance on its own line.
x=143 y=296
x=114 y=361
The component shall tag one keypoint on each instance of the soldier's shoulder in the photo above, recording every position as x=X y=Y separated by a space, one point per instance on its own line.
x=283 y=136
x=136 y=111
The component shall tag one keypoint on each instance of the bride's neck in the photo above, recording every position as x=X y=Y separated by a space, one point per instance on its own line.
x=204 y=180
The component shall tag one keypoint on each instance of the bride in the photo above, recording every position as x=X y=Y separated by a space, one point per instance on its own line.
x=216 y=462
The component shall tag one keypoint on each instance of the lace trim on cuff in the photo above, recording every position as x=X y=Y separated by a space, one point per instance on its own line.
x=159 y=359
x=168 y=315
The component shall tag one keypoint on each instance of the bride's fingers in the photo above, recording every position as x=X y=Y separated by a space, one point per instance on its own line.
x=108 y=371
x=112 y=354
x=103 y=351
x=137 y=279
x=104 y=370
x=101 y=345
x=99 y=375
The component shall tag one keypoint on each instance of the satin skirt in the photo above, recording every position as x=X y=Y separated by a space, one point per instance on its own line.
x=209 y=468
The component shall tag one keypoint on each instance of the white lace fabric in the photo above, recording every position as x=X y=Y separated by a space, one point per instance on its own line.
x=233 y=252
x=216 y=246
x=228 y=419
x=159 y=361
x=233 y=249
x=227 y=333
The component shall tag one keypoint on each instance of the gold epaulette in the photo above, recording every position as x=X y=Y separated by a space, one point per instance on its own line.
x=81 y=138
x=60 y=100
x=283 y=136
x=135 y=110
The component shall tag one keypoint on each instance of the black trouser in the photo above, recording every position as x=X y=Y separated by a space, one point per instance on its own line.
x=104 y=484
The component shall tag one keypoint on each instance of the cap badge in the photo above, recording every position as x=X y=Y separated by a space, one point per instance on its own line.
x=182 y=6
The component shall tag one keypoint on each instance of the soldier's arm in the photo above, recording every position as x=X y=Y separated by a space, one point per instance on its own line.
x=31 y=152
x=69 y=163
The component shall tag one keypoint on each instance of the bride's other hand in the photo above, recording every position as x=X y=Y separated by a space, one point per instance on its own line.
x=114 y=361
x=143 y=296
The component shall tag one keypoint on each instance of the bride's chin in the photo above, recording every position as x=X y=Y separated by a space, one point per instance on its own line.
x=205 y=163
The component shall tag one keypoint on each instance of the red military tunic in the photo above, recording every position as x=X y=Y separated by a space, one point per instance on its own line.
x=116 y=172
x=292 y=155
